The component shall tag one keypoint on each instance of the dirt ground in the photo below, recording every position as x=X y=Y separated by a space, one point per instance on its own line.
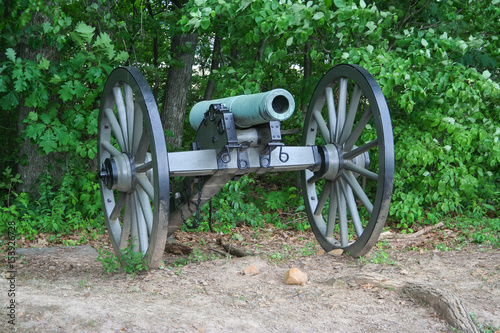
x=64 y=289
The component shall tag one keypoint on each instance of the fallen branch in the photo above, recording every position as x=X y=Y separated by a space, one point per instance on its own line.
x=398 y=237
x=234 y=251
x=177 y=248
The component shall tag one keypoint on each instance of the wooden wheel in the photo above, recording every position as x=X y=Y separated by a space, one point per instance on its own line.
x=135 y=173
x=348 y=200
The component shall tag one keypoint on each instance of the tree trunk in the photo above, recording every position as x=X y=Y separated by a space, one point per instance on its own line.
x=307 y=75
x=31 y=163
x=177 y=86
x=210 y=89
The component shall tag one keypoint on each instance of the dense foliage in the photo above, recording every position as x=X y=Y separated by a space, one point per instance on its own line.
x=437 y=63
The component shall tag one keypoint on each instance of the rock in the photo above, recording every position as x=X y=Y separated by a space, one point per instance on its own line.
x=320 y=252
x=295 y=276
x=251 y=270
x=336 y=252
x=331 y=282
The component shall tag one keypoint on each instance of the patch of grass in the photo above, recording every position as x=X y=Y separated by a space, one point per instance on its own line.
x=131 y=262
x=309 y=249
x=276 y=256
x=442 y=247
x=483 y=328
x=476 y=230
x=196 y=256
x=380 y=256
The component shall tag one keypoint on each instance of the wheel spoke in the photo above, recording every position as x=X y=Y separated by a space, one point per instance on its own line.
x=360 y=126
x=360 y=150
x=127 y=222
x=353 y=183
x=122 y=113
x=118 y=206
x=110 y=148
x=138 y=128
x=129 y=106
x=332 y=114
x=116 y=128
x=322 y=126
x=344 y=237
x=146 y=185
x=323 y=198
x=332 y=211
x=351 y=114
x=134 y=237
x=341 y=107
x=115 y=228
x=142 y=148
x=353 y=209
x=141 y=226
x=146 y=209
x=362 y=171
x=144 y=167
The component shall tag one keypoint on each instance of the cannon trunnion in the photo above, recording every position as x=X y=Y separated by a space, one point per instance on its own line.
x=346 y=160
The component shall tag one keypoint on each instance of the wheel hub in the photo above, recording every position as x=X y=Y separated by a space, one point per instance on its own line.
x=332 y=162
x=118 y=173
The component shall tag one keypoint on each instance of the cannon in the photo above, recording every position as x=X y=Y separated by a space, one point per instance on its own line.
x=346 y=160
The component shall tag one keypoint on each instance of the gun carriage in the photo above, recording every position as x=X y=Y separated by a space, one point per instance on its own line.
x=346 y=160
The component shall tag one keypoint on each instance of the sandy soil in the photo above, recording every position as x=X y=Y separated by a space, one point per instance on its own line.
x=65 y=290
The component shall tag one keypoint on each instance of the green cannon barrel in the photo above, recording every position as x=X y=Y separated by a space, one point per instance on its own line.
x=249 y=110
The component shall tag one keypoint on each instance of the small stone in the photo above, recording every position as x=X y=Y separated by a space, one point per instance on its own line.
x=336 y=252
x=52 y=268
x=295 y=277
x=240 y=303
x=331 y=282
x=251 y=270
x=320 y=252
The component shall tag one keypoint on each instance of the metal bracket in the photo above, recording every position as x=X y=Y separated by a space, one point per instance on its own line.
x=275 y=141
x=241 y=155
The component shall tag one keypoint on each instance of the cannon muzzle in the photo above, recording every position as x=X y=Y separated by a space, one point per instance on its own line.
x=250 y=110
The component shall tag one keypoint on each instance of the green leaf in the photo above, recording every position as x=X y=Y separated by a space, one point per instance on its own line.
x=121 y=56
x=205 y=23
x=11 y=54
x=86 y=32
x=66 y=92
x=79 y=89
x=44 y=64
x=32 y=116
x=34 y=131
x=362 y=4
x=318 y=16
x=56 y=79
x=339 y=3
x=289 y=41
x=104 y=42
x=424 y=42
x=9 y=101
x=486 y=74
